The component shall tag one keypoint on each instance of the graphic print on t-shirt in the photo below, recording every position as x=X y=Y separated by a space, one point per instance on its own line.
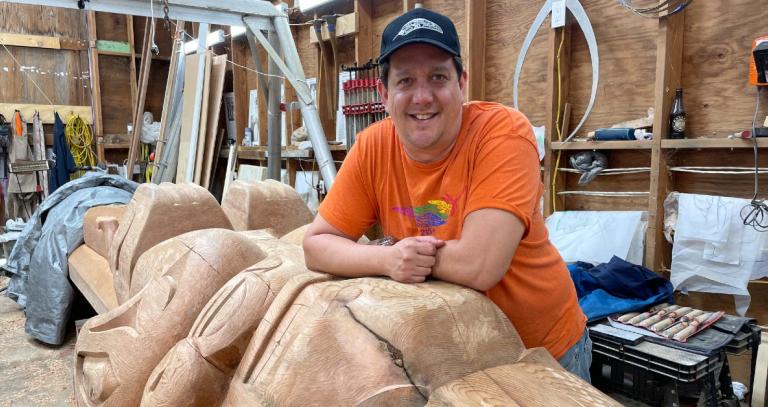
x=432 y=214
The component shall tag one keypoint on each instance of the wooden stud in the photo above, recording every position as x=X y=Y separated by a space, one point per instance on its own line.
x=146 y=61
x=93 y=56
x=132 y=63
x=364 y=38
x=555 y=107
x=475 y=50
x=669 y=64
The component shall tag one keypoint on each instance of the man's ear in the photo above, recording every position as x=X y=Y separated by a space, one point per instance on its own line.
x=382 y=92
x=463 y=84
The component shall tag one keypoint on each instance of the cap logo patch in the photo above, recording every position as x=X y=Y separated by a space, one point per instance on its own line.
x=416 y=24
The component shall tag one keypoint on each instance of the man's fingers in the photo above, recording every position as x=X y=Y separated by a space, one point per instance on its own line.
x=425 y=261
x=426 y=248
x=417 y=279
x=422 y=271
x=438 y=243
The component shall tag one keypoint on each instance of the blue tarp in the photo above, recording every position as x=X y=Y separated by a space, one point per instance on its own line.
x=616 y=287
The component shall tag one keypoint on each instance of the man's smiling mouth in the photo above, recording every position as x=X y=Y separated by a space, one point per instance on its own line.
x=423 y=116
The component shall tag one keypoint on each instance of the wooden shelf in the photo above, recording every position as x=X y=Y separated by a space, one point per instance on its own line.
x=117 y=146
x=114 y=53
x=166 y=58
x=602 y=145
x=713 y=143
x=260 y=152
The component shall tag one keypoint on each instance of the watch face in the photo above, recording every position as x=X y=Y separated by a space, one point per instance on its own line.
x=678 y=124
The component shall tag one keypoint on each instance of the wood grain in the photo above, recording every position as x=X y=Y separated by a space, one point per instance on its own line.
x=717 y=41
x=627 y=48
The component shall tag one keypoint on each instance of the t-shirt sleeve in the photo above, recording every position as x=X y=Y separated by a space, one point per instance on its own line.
x=349 y=205
x=506 y=174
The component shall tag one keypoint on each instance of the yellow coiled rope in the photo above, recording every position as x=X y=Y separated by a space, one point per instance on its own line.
x=80 y=140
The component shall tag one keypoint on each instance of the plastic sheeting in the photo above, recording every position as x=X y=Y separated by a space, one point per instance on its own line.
x=713 y=250
x=38 y=262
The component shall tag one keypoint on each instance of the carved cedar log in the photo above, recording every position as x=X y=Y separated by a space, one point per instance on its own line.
x=197 y=371
x=154 y=214
x=265 y=204
x=372 y=341
x=100 y=224
x=116 y=352
x=536 y=380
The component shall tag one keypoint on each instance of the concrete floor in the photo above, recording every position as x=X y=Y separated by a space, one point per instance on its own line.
x=32 y=373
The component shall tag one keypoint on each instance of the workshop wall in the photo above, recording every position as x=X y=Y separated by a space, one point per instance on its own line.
x=61 y=73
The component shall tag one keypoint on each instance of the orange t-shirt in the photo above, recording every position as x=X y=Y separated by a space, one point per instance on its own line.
x=494 y=164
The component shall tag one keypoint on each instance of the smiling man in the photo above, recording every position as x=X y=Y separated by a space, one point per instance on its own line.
x=458 y=186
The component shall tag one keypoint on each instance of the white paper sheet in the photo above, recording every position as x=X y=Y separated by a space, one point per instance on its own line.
x=596 y=236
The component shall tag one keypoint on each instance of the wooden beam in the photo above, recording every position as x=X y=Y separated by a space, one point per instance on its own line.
x=602 y=145
x=132 y=65
x=408 y=5
x=364 y=39
x=555 y=108
x=146 y=61
x=32 y=41
x=345 y=25
x=93 y=57
x=46 y=111
x=43 y=41
x=669 y=64
x=475 y=51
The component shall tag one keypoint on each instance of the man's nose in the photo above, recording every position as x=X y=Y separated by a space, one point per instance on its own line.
x=422 y=94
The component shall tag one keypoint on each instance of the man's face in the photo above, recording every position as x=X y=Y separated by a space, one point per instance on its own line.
x=424 y=97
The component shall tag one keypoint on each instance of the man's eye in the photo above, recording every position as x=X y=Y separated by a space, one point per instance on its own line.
x=404 y=81
x=439 y=77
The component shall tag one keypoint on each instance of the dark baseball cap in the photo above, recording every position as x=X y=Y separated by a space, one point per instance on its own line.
x=420 y=25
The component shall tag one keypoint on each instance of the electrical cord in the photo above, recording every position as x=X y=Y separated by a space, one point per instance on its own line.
x=659 y=10
x=79 y=140
x=557 y=125
x=755 y=214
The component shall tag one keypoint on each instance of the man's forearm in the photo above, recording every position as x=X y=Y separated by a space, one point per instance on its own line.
x=342 y=257
x=455 y=265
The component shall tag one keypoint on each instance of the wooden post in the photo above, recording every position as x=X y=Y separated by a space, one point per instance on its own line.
x=93 y=55
x=555 y=108
x=146 y=60
x=364 y=38
x=475 y=49
x=669 y=64
x=408 y=5
x=132 y=62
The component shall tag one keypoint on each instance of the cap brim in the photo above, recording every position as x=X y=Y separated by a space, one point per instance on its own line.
x=432 y=42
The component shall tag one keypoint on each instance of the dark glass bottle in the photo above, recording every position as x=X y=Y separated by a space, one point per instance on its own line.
x=677 y=117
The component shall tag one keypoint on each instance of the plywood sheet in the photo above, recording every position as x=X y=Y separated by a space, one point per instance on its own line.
x=507 y=23
x=190 y=81
x=201 y=131
x=627 y=48
x=218 y=69
x=717 y=40
x=116 y=103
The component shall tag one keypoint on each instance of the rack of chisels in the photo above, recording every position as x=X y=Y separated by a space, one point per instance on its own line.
x=362 y=102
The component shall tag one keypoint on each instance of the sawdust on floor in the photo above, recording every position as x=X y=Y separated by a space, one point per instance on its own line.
x=31 y=372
